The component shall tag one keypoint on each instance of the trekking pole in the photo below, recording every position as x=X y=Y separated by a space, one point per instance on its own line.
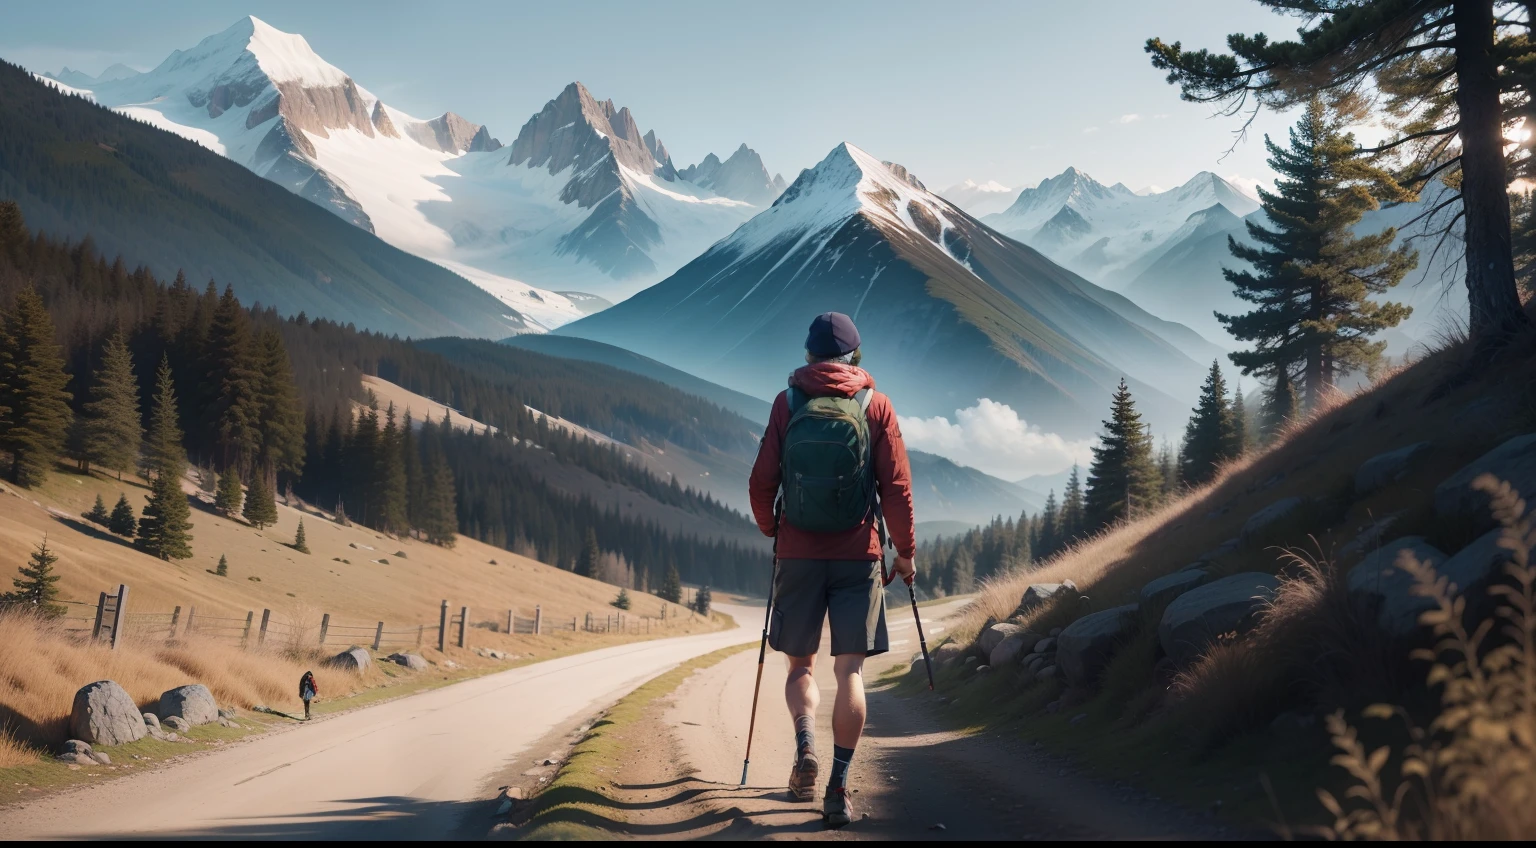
x=912 y=594
x=762 y=646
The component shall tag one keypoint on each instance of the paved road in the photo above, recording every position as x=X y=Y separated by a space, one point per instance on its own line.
x=407 y=769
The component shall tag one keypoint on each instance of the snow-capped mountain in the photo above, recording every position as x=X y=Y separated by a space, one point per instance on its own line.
x=740 y=177
x=949 y=309
x=580 y=202
x=80 y=79
x=979 y=199
x=1108 y=233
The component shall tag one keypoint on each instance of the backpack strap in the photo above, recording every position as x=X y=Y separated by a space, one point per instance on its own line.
x=795 y=398
x=863 y=397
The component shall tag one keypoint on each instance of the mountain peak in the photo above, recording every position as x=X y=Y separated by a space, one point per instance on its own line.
x=742 y=176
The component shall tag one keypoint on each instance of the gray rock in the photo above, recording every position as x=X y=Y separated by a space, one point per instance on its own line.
x=1514 y=462
x=1035 y=662
x=1369 y=538
x=983 y=669
x=76 y=759
x=1056 y=631
x=101 y=757
x=104 y=714
x=1164 y=589
x=1379 y=586
x=75 y=746
x=1198 y=616
x=192 y=702
x=1224 y=549
x=414 y=662
x=970 y=661
x=176 y=723
x=1387 y=468
x=1475 y=565
x=1039 y=594
x=227 y=713
x=1047 y=673
x=989 y=639
x=152 y=721
x=1271 y=515
x=1087 y=645
x=948 y=654
x=1045 y=645
x=1008 y=650
x=353 y=659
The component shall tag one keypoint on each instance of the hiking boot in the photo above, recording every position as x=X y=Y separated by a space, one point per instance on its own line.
x=835 y=809
x=802 y=778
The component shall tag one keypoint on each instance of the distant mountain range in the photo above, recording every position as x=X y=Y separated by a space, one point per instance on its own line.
x=580 y=201
x=950 y=310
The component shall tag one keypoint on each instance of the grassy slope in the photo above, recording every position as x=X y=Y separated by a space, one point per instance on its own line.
x=1208 y=739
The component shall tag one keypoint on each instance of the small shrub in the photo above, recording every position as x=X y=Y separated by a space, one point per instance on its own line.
x=223 y=568
x=622 y=601
x=254 y=579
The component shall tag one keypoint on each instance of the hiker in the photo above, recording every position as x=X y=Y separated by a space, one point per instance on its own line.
x=832 y=446
x=307 y=691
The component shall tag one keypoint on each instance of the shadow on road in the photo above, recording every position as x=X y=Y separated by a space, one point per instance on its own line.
x=387 y=817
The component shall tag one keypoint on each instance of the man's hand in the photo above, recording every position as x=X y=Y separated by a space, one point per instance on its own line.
x=907 y=569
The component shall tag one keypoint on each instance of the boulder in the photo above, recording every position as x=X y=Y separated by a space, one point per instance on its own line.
x=152 y=722
x=1384 y=469
x=1164 y=589
x=1386 y=591
x=1039 y=594
x=947 y=654
x=1007 y=650
x=75 y=746
x=104 y=714
x=1475 y=565
x=1046 y=644
x=176 y=723
x=101 y=757
x=414 y=662
x=1369 y=538
x=1047 y=673
x=192 y=702
x=1266 y=518
x=1087 y=645
x=1198 y=616
x=988 y=640
x=1224 y=549
x=1514 y=462
x=353 y=659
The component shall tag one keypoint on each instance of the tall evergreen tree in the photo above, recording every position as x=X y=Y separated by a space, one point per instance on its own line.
x=1240 y=431
x=1210 y=437
x=98 y=514
x=671 y=586
x=232 y=384
x=415 y=482
x=228 y=498
x=222 y=569
x=1073 y=521
x=34 y=407
x=165 y=528
x=122 y=521
x=587 y=561
x=1167 y=471
x=260 y=503
x=702 y=600
x=36 y=587
x=281 y=420
x=163 y=447
x=300 y=541
x=390 y=484
x=111 y=424
x=962 y=572
x=1280 y=406
x=1050 y=526
x=441 y=522
x=1122 y=479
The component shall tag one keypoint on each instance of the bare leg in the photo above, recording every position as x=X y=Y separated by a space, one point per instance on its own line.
x=848 y=710
x=800 y=691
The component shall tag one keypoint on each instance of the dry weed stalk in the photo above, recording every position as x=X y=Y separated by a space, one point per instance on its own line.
x=1471 y=774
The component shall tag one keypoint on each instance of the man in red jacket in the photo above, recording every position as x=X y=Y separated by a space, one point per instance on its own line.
x=833 y=575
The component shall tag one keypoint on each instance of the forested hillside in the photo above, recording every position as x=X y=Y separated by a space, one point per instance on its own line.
x=81 y=170
x=271 y=401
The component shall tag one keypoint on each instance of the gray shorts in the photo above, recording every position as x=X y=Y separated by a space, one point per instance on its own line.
x=845 y=592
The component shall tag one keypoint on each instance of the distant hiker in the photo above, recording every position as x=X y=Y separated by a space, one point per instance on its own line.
x=832 y=446
x=307 y=691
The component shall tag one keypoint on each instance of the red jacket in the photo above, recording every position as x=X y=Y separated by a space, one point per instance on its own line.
x=893 y=473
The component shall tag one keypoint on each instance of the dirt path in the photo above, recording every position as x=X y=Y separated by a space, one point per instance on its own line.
x=914 y=779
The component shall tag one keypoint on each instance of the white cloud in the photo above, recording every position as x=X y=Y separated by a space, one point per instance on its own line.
x=1128 y=119
x=1088 y=130
x=991 y=437
x=1249 y=184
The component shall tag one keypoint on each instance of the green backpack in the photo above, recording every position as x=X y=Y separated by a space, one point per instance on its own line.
x=828 y=483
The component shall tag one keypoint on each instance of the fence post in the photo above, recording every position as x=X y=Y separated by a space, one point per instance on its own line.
x=101 y=608
x=511 y=621
x=266 y=616
x=538 y=618
x=463 y=623
x=378 y=636
x=442 y=627
x=120 y=614
x=175 y=620
x=245 y=636
x=325 y=625
x=191 y=621
x=420 y=632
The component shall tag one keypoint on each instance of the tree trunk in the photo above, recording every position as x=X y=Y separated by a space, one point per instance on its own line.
x=1491 y=292
x=1313 y=368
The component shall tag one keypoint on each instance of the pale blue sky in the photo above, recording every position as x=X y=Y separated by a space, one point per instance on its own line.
x=984 y=90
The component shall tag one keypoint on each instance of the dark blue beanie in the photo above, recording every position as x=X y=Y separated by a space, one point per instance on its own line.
x=832 y=334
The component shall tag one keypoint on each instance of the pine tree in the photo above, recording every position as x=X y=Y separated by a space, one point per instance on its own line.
x=34 y=407
x=671 y=586
x=260 y=503
x=228 y=497
x=962 y=572
x=1072 y=522
x=222 y=569
x=164 y=531
x=1167 y=471
x=1050 y=527
x=1209 y=438
x=111 y=428
x=587 y=560
x=123 y=522
x=98 y=513
x=281 y=420
x=1281 y=405
x=1240 y=431
x=1122 y=479
x=35 y=587
x=441 y=520
x=702 y=600
x=163 y=447
x=390 y=483
x=622 y=601
x=300 y=543
x=232 y=384
x=1313 y=279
